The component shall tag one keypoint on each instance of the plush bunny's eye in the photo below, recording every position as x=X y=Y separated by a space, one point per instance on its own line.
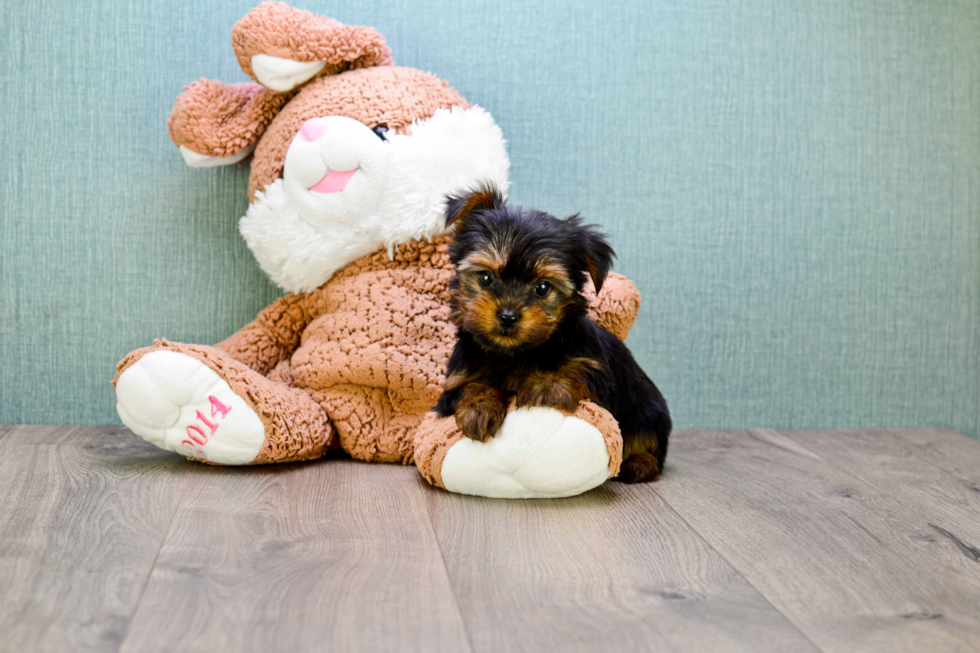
x=380 y=131
x=485 y=279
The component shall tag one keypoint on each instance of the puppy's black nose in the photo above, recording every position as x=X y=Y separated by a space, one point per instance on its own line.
x=507 y=317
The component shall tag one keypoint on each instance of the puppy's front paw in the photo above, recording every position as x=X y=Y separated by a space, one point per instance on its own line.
x=480 y=412
x=480 y=422
x=550 y=390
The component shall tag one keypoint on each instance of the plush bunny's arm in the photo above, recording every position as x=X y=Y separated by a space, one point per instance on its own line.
x=219 y=124
x=274 y=335
x=616 y=307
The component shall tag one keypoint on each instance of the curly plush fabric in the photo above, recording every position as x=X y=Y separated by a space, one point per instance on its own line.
x=276 y=29
x=434 y=438
x=616 y=307
x=218 y=119
x=358 y=82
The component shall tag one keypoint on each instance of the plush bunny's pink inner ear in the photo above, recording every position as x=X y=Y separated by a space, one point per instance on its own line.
x=282 y=47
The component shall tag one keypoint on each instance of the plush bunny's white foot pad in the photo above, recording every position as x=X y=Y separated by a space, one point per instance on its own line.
x=537 y=453
x=180 y=404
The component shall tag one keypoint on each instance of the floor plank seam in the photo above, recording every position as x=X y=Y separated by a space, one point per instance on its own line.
x=739 y=572
x=149 y=575
x=445 y=567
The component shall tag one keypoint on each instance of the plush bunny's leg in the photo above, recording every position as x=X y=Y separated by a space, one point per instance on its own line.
x=282 y=47
x=369 y=426
x=199 y=402
x=537 y=453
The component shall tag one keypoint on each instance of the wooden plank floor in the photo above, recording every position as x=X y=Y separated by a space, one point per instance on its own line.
x=753 y=541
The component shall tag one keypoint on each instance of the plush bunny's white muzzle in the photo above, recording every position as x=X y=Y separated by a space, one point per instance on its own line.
x=345 y=191
x=334 y=171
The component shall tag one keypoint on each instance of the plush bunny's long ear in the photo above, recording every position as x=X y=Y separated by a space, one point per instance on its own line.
x=459 y=207
x=216 y=124
x=282 y=47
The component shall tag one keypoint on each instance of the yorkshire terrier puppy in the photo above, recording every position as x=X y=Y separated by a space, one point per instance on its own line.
x=523 y=330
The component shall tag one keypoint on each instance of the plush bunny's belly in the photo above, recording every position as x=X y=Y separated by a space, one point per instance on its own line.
x=386 y=329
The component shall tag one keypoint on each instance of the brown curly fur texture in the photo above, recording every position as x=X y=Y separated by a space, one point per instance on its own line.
x=218 y=119
x=296 y=427
x=616 y=307
x=276 y=29
x=374 y=347
x=436 y=435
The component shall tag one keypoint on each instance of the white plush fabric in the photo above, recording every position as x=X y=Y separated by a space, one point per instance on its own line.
x=538 y=453
x=301 y=237
x=455 y=149
x=197 y=160
x=278 y=74
x=159 y=397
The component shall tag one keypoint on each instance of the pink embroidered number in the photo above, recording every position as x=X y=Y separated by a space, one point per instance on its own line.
x=218 y=407
x=201 y=439
x=195 y=434
x=210 y=425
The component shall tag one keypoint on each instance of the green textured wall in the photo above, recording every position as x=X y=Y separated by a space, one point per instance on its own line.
x=794 y=186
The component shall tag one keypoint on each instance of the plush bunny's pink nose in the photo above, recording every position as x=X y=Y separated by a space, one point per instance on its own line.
x=314 y=128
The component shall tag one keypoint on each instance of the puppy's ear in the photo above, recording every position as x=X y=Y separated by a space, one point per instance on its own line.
x=459 y=207
x=597 y=253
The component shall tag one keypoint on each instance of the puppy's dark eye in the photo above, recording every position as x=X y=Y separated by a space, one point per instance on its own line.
x=542 y=288
x=485 y=279
x=380 y=131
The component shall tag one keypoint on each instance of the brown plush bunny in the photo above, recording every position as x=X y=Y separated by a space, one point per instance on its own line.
x=352 y=158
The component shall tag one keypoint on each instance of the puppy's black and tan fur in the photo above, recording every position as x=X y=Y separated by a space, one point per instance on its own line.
x=523 y=331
